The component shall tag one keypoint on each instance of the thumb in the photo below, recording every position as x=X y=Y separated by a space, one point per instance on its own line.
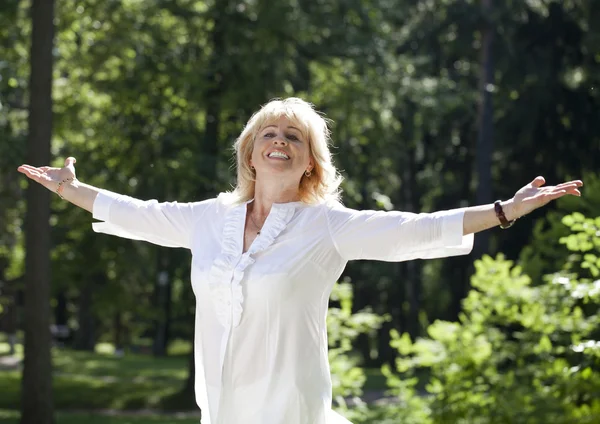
x=70 y=161
x=538 y=181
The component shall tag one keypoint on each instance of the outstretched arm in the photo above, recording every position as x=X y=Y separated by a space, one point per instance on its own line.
x=76 y=192
x=527 y=199
x=168 y=224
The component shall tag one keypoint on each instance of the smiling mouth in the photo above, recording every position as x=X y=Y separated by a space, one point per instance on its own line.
x=278 y=155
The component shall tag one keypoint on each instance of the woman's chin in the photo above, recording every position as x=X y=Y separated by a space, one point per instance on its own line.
x=280 y=170
x=278 y=167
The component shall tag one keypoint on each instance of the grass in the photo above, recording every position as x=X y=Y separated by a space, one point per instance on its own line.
x=86 y=380
x=12 y=417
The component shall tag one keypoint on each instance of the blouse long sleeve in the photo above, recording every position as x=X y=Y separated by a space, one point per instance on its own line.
x=397 y=236
x=169 y=224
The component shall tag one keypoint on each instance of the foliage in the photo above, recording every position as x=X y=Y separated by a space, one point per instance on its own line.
x=543 y=255
x=520 y=353
x=584 y=238
x=344 y=326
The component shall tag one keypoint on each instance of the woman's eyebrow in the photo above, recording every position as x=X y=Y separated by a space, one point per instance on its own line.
x=289 y=127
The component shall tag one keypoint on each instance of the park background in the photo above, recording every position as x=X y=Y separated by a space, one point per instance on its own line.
x=435 y=105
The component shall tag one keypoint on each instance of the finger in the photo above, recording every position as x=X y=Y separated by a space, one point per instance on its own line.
x=572 y=190
x=29 y=167
x=25 y=166
x=570 y=184
x=538 y=181
x=36 y=172
x=545 y=195
x=70 y=161
x=556 y=195
x=32 y=173
x=567 y=189
x=578 y=182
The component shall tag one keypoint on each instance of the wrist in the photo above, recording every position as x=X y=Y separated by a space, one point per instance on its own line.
x=505 y=213
x=510 y=210
x=64 y=185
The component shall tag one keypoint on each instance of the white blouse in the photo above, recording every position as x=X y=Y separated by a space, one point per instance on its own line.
x=260 y=331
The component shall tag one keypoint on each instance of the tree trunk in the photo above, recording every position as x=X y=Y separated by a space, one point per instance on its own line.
x=485 y=146
x=37 y=406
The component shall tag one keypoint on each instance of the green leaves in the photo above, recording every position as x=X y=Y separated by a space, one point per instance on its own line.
x=585 y=238
x=344 y=326
x=574 y=218
x=520 y=353
x=592 y=262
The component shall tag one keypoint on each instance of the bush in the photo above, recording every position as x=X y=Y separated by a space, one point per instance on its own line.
x=520 y=353
x=344 y=327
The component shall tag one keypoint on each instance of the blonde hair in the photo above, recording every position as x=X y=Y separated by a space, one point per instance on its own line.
x=324 y=181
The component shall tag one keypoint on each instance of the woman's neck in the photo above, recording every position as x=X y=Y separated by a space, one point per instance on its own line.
x=265 y=196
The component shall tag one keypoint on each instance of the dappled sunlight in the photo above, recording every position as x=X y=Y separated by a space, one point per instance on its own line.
x=11 y=417
x=121 y=367
x=90 y=380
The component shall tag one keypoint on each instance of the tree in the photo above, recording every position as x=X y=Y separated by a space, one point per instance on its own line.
x=485 y=146
x=37 y=400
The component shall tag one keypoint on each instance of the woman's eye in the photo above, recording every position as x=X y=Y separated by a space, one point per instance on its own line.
x=270 y=135
x=292 y=137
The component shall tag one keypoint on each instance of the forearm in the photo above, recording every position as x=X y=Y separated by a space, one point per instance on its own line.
x=480 y=218
x=80 y=194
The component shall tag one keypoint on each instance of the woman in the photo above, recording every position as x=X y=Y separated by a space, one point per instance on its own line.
x=265 y=258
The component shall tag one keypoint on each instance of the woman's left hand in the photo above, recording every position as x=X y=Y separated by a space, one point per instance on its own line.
x=534 y=195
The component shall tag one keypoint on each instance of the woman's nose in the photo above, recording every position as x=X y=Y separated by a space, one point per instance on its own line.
x=279 y=140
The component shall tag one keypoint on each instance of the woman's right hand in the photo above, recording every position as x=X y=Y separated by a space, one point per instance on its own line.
x=50 y=177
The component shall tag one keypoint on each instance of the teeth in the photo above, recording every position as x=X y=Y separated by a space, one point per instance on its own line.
x=278 y=155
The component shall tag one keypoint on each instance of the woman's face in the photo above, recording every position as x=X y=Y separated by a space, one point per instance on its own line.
x=281 y=150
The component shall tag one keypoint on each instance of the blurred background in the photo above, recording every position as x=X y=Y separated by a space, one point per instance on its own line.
x=435 y=105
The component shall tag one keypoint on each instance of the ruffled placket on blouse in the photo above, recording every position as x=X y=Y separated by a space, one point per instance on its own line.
x=227 y=271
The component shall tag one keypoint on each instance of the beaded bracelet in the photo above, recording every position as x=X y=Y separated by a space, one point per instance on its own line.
x=61 y=186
